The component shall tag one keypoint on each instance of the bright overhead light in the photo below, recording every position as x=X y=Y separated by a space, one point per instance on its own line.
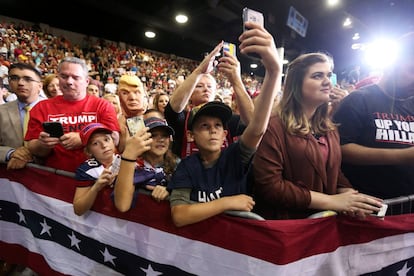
x=356 y=36
x=332 y=2
x=347 y=22
x=381 y=53
x=253 y=65
x=356 y=46
x=150 y=34
x=181 y=18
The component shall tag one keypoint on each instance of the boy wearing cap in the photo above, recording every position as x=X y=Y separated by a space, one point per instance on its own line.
x=213 y=180
x=99 y=170
x=147 y=162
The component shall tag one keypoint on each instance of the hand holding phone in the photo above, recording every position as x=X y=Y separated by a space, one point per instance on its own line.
x=381 y=213
x=55 y=129
x=250 y=15
x=229 y=48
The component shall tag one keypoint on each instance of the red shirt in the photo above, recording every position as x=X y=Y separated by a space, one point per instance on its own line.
x=73 y=116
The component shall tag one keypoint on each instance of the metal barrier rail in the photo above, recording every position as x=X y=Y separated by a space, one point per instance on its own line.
x=52 y=170
x=242 y=214
x=400 y=205
x=396 y=206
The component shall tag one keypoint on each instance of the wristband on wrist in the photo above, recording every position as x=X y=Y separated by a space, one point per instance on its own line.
x=128 y=160
x=9 y=154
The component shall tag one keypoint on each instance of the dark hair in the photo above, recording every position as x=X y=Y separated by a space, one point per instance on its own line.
x=25 y=66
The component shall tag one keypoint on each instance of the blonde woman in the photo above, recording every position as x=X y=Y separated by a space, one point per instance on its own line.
x=51 y=86
x=114 y=100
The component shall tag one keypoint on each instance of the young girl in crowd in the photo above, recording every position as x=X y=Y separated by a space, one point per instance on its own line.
x=98 y=172
x=297 y=165
x=147 y=162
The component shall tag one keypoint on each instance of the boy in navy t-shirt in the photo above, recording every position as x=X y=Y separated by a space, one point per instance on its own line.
x=213 y=180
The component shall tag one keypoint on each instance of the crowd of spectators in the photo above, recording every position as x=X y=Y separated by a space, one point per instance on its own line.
x=106 y=60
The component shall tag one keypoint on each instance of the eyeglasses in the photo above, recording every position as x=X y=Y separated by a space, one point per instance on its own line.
x=24 y=78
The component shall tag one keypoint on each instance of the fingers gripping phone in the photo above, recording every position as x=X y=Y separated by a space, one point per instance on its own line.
x=228 y=47
x=55 y=129
x=134 y=124
x=250 y=15
x=381 y=213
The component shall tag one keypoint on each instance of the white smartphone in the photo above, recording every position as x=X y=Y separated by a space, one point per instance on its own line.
x=134 y=124
x=253 y=16
x=381 y=213
x=116 y=164
x=256 y=17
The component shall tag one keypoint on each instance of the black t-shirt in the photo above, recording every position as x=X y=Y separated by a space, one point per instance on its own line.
x=178 y=120
x=370 y=118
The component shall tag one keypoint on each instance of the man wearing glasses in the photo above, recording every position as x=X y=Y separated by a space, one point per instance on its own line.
x=25 y=82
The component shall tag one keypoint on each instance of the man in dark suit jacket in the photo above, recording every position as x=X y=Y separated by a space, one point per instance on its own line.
x=25 y=82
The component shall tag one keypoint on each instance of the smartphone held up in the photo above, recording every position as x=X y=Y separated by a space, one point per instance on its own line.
x=257 y=17
x=252 y=16
x=134 y=124
x=229 y=48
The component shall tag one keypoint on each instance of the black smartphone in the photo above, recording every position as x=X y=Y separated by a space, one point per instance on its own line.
x=55 y=129
x=256 y=17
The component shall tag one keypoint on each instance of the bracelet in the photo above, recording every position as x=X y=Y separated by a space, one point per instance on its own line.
x=128 y=160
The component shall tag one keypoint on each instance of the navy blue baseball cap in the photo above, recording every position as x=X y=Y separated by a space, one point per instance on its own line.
x=155 y=122
x=211 y=109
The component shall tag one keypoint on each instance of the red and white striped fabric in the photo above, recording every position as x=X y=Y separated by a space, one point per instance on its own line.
x=38 y=228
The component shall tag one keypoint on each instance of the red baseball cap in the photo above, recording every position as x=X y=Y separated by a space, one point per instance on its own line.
x=90 y=129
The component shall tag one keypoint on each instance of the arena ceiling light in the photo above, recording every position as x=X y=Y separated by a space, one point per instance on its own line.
x=181 y=18
x=150 y=34
x=381 y=53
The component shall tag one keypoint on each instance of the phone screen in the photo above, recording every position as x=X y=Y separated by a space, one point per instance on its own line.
x=333 y=79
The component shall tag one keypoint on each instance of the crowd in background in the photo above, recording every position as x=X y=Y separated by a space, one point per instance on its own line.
x=106 y=62
x=285 y=184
